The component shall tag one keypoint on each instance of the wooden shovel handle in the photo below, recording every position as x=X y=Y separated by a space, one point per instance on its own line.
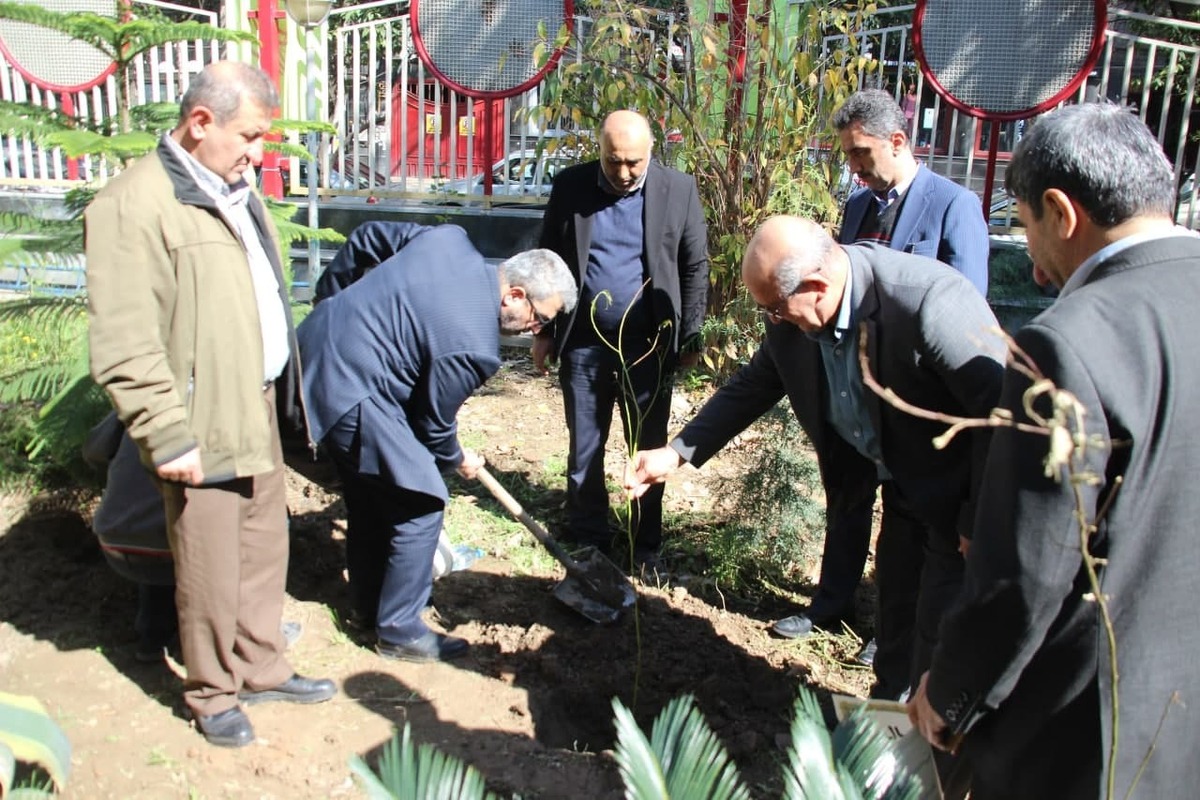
x=510 y=503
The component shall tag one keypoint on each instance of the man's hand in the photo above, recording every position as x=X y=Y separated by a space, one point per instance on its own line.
x=926 y=720
x=648 y=467
x=543 y=353
x=471 y=463
x=186 y=469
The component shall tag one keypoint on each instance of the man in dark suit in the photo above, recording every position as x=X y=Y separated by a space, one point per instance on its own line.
x=1024 y=667
x=908 y=208
x=632 y=232
x=930 y=337
x=388 y=360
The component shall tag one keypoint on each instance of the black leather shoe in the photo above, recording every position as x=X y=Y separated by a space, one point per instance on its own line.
x=793 y=627
x=430 y=647
x=296 y=689
x=866 y=656
x=230 y=728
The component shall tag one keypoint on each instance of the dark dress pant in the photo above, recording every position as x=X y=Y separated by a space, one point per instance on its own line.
x=157 y=621
x=391 y=536
x=593 y=379
x=918 y=574
x=850 y=482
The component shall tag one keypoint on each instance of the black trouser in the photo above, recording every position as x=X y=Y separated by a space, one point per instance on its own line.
x=918 y=573
x=391 y=536
x=592 y=382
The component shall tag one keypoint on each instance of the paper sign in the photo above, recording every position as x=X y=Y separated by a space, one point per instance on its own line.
x=908 y=745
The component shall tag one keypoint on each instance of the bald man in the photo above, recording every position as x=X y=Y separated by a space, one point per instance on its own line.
x=930 y=337
x=632 y=232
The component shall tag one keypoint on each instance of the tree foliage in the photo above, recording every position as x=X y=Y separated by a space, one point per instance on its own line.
x=750 y=124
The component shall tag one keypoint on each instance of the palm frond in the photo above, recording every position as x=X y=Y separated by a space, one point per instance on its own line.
x=120 y=146
x=640 y=768
x=138 y=35
x=65 y=420
x=696 y=762
x=292 y=232
x=287 y=149
x=56 y=313
x=120 y=40
x=38 y=383
x=301 y=126
x=40 y=252
x=811 y=773
x=419 y=772
x=683 y=758
x=157 y=117
x=30 y=121
x=86 y=27
x=58 y=325
x=77 y=199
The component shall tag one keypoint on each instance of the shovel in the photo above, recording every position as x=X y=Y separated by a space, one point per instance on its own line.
x=594 y=586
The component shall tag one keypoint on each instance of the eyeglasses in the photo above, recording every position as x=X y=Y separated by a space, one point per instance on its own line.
x=540 y=320
x=775 y=312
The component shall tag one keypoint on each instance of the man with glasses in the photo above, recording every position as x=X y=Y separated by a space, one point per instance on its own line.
x=930 y=337
x=388 y=360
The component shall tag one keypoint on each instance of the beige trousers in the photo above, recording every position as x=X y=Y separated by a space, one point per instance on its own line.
x=230 y=542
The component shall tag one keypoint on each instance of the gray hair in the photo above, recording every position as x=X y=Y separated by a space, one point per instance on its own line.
x=875 y=110
x=542 y=274
x=1098 y=154
x=807 y=254
x=222 y=86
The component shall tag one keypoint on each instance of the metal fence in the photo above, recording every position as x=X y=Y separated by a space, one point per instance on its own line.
x=402 y=133
x=161 y=75
x=1137 y=68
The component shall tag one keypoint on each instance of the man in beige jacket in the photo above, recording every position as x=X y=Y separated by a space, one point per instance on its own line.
x=192 y=339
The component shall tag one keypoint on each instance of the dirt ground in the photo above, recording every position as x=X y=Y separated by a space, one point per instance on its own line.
x=530 y=706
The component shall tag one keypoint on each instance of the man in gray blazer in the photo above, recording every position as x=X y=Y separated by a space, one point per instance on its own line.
x=906 y=207
x=1024 y=668
x=929 y=336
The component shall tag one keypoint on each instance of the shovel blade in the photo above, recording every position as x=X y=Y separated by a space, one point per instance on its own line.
x=599 y=591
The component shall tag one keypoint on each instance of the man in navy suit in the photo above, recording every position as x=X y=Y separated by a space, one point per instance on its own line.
x=929 y=337
x=388 y=361
x=908 y=208
x=902 y=204
x=1023 y=667
x=632 y=232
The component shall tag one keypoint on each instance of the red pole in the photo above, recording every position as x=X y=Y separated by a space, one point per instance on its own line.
x=268 y=59
x=67 y=105
x=737 y=53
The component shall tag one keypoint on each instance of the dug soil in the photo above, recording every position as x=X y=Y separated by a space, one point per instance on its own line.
x=531 y=705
